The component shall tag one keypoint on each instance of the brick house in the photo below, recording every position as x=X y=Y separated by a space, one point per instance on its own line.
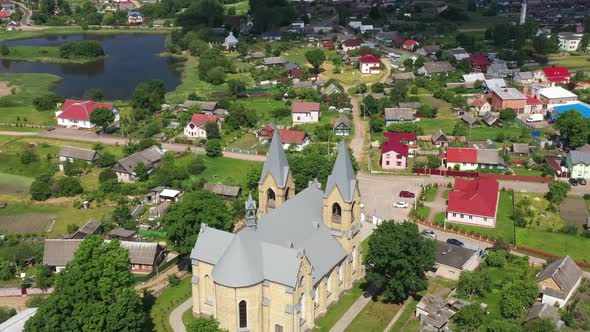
x=503 y=98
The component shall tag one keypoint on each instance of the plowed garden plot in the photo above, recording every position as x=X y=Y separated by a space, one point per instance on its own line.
x=26 y=223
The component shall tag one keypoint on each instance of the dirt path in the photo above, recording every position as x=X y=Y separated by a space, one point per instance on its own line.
x=5 y=90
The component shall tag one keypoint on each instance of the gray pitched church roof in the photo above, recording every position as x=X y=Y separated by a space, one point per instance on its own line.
x=273 y=250
x=342 y=175
x=276 y=162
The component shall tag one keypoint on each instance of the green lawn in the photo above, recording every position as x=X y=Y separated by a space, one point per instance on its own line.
x=63 y=210
x=572 y=62
x=19 y=105
x=374 y=317
x=47 y=54
x=555 y=243
x=430 y=194
x=17 y=180
x=169 y=299
x=263 y=107
x=504 y=224
x=336 y=311
x=190 y=83
x=227 y=170
x=431 y=125
x=20 y=129
x=241 y=7
x=423 y=212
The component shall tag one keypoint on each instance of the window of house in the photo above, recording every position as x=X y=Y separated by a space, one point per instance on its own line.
x=399 y=156
x=278 y=328
x=470 y=217
x=387 y=162
x=316 y=295
x=399 y=163
x=462 y=216
x=243 y=312
x=454 y=214
x=485 y=219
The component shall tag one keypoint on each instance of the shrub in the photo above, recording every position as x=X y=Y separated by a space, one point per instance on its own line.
x=496 y=258
x=569 y=229
x=213 y=148
x=28 y=156
x=81 y=49
x=173 y=280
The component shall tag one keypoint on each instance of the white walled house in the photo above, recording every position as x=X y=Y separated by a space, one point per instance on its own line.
x=569 y=41
x=305 y=112
x=474 y=202
x=297 y=139
x=72 y=153
x=76 y=113
x=370 y=64
x=197 y=127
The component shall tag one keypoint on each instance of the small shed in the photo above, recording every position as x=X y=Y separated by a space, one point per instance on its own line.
x=228 y=192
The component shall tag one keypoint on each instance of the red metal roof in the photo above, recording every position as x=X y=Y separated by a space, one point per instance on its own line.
x=292 y=136
x=395 y=146
x=4 y=14
x=200 y=119
x=80 y=109
x=328 y=44
x=296 y=73
x=557 y=74
x=479 y=60
x=352 y=42
x=462 y=155
x=532 y=101
x=364 y=53
x=305 y=107
x=410 y=43
x=369 y=59
x=400 y=136
x=475 y=197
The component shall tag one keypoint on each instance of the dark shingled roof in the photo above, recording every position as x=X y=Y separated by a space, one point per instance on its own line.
x=564 y=272
x=89 y=228
x=222 y=189
x=148 y=157
x=452 y=255
x=78 y=153
x=121 y=233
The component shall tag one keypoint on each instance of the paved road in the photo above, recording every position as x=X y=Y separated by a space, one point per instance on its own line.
x=176 y=316
x=91 y=136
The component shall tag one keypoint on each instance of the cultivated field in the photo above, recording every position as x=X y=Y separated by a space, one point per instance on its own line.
x=26 y=223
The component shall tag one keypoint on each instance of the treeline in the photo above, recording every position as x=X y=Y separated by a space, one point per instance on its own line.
x=81 y=49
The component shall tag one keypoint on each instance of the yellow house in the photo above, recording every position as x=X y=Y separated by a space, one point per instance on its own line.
x=295 y=257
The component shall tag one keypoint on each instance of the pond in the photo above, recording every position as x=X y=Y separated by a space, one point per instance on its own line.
x=132 y=58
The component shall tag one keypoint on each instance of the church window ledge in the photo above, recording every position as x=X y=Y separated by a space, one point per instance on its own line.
x=301 y=321
x=209 y=302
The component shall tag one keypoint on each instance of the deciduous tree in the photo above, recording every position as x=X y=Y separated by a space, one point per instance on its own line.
x=204 y=325
x=315 y=57
x=102 y=117
x=94 y=293
x=398 y=259
x=573 y=127
x=184 y=219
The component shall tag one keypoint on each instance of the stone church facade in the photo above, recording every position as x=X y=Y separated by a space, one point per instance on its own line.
x=297 y=254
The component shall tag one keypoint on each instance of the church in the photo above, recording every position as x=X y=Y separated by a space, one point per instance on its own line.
x=297 y=254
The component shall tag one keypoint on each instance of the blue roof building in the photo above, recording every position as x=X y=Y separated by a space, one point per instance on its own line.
x=580 y=107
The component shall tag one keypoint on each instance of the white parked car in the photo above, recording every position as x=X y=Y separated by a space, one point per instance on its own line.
x=401 y=205
x=429 y=233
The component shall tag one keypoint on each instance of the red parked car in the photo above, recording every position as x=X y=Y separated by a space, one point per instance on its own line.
x=406 y=194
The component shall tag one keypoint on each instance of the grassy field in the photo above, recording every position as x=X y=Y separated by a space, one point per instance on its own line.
x=374 y=317
x=169 y=299
x=19 y=104
x=11 y=35
x=263 y=107
x=430 y=194
x=227 y=170
x=191 y=83
x=46 y=54
x=241 y=7
x=555 y=243
x=62 y=209
x=573 y=63
x=336 y=311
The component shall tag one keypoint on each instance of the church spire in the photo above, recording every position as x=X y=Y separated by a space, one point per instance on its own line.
x=251 y=211
x=276 y=162
x=342 y=175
